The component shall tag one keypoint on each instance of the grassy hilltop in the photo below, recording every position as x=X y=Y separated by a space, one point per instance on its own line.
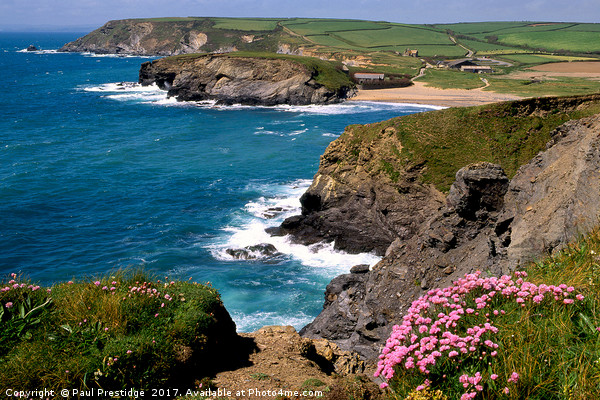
x=375 y=46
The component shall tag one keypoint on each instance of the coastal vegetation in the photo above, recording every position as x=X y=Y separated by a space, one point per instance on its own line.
x=534 y=335
x=443 y=141
x=121 y=331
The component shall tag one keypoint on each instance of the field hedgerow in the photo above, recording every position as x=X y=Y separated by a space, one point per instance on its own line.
x=460 y=339
x=119 y=332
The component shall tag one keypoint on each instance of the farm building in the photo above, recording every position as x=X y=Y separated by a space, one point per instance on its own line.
x=457 y=64
x=477 y=69
x=368 y=77
x=411 y=53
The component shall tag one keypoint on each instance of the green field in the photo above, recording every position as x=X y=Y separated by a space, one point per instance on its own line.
x=448 y=79
x=395 y=36
x=312 y=27
x=566 y=40
x=548 y=36
x=245 y=24
x=332 y=41
x=543 y=58
x=482 y=48
x=471 y=28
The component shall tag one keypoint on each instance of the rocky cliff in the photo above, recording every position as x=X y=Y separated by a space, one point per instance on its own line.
x=483 y=222
x=172 y=36
x=253 y=80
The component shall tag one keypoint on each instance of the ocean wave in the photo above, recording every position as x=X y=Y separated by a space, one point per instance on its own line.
x=39 y=51
x=97 y=55
x=277 y=203
x=352 y=107
x=131 y=91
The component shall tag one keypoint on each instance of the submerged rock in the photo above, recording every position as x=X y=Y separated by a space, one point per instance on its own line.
x=31 y=48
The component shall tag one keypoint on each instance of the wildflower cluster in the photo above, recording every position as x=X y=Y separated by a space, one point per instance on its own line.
x=453 y=328
x=14 y=285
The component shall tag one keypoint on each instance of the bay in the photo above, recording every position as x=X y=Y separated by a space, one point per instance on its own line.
x=96 y=175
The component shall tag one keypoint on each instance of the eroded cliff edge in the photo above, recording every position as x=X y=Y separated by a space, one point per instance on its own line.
x=173 y=36
x=432 y=192
x=255 y=79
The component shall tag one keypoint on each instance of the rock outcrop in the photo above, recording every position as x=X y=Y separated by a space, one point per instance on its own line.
x=155 y=37
x=487 y=223
x=357 y=204
x=276 y=358
x=244 y=80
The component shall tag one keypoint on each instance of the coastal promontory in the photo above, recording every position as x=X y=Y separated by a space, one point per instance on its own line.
x=248 y=78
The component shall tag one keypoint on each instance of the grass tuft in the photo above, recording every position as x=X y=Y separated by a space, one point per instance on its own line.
x=125 y=330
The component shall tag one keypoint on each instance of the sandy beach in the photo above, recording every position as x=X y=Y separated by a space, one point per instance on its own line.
x=420 y=94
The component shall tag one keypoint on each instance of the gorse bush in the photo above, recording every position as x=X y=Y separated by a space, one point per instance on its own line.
x=521 y=336
x=120 y=332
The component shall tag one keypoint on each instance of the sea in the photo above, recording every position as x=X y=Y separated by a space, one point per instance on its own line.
x=99 y=174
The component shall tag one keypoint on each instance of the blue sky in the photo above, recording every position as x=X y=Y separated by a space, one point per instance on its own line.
x=64 y=14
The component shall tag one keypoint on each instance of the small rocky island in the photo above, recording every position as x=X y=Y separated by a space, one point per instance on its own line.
x=250 y=79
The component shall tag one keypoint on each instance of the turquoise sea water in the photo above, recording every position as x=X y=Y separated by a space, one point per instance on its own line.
x=96 y=176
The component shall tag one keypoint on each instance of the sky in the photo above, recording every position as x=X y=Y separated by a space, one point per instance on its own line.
x=91 y=14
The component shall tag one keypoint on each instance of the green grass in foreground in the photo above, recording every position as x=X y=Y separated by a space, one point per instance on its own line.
x=119 y=332
x=546 y=345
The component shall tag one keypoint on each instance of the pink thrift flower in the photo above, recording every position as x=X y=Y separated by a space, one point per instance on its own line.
x=579 y=297
x=10 y=304
x=97 y=283
x=514 y=377
x=493 y=377
x=129 y=351
x=568 y=301
x=506 y=390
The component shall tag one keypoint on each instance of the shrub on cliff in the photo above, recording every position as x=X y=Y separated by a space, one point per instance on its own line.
x=534 y=336
x=119 y=332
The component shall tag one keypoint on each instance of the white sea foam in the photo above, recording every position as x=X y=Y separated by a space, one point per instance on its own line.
x=121 y=87
x=278 y=203
x=353 y=107
x=92 y=54
x=39 y=51
x=132 y=91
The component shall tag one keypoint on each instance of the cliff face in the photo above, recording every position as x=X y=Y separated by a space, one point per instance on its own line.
x=357 y=202
x=171 y=36
x=243 y=80
x=486 y=222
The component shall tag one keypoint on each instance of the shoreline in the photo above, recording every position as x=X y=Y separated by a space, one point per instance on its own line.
x=421 y=94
